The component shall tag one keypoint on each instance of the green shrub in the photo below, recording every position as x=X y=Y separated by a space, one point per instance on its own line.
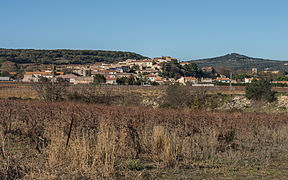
x=99 y=79
x=178 y=96
x=260 y=90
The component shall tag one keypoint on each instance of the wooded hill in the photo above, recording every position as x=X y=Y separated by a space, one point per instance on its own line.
x=236 y=61
x=64 y=56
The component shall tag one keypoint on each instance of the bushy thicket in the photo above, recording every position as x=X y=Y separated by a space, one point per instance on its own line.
x=260 y=90
x=92 y=94
x=178 y=96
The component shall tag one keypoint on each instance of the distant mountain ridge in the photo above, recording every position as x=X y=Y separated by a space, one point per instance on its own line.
x=236 y=61
x=64 y=56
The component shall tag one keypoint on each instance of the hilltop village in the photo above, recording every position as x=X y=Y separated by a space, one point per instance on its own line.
x=155 y=71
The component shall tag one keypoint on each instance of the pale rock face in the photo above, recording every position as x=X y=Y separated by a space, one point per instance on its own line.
x=238 y=102
x=150 y=102
x=282 y=101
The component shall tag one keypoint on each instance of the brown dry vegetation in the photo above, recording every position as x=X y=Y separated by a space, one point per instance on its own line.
x=64 y=140
x=28 y=91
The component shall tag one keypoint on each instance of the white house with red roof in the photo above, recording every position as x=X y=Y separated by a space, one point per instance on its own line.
x=150 y=77
x=111 y=81
x=249 y=80
x=223 y=80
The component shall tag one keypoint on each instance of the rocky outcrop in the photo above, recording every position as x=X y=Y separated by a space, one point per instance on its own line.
x=150 y=102
x=238 y=102
x=282 y=101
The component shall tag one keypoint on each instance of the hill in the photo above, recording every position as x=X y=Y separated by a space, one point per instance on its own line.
x=64 y=56
x=236 y=61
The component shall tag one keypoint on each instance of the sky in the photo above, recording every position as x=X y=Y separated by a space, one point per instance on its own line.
x=184 y=29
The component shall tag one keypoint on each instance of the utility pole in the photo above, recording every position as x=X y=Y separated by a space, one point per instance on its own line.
x=142 y=83
x=231 y=81
x=53 y=76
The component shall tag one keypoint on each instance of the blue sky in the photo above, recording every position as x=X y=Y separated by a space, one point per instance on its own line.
x=185 y=29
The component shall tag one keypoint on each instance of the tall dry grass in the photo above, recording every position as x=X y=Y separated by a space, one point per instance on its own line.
x=115 y=142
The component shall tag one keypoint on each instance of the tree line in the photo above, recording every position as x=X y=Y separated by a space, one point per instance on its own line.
x=64 y=56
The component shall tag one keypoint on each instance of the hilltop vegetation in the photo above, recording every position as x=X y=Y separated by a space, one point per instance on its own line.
x=64 y=56
x=240 y=62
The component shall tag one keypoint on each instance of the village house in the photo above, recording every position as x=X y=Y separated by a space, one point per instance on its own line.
x=59 y=73
x=13 y=73
x=159 y=80
x=106 y=73
x=150 y=77
x=122 y=69
x=83 y=80
x=105 y=66
x=36 y=75
x=147 y=71
x=156 y=67
x=68 y=78
x=203 y=85
x=254 y=71
x=271 y=72
x=123 y=63
x=120 y=75
x=4 y=78
x=111 y=81
x=206 y=80
x=83 y=71
x=165 y=59
x=187 y=80
x=249 y=80
x=184 y=63
x=223 y=80
x=159 y=60
x=147 y=63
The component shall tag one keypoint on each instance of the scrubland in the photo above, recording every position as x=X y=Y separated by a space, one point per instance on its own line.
x=80 y=140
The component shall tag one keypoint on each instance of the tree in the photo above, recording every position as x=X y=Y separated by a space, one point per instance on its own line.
x=280 y=78
x=99 y=79
x=122 y=80
x=172 y=70
x=182 y=97
x=175 y=70
x=239 y=77
x=5 y=73
x=260 y=90
x=48 y=91
x=223 y=71
x=62 y=56
x=133 y=68
x=9 y=66
x=177 y=96
x=131 y=80
x=154 y=83
x=191 y=70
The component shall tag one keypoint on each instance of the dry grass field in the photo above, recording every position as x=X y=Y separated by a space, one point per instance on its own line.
x=62 y=140
x=27 y=90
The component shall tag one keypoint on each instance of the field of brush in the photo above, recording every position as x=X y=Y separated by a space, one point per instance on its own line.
x=27 y=90
x=73 y=140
